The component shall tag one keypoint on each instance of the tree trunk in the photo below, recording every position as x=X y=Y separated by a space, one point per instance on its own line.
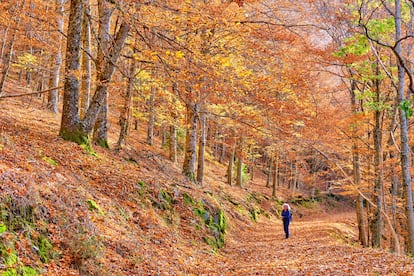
x=104 y=78
x=405 y=147
x=70 y=128
x=53 y=95
x=151 y=119
x=240 y=161
x=231 y=164
x=85 y=89
x=163 y=130
x=126 y=112
x=377 y=220
x=190 y=156
x=275 y=182
x=202 y=145
x=100 y=126
x=356 y=168
x=222 y=152
x=3 y=43
x=269 y=172
x=173 y=144
x=100 y=132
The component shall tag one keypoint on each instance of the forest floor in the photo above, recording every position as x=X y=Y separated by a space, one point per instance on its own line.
x=86 y=214
x=316 y=247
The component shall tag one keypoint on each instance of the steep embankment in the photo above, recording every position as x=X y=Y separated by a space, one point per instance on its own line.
x=65 y=211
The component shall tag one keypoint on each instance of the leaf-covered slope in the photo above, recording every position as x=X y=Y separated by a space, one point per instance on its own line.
x=66 y=211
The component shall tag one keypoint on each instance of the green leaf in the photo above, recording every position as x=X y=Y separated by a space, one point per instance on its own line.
x=407 y=108
x=3 y=228
x=92 y=205
x=50 y=161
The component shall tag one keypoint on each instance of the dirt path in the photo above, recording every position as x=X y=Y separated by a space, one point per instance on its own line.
x=315 y=248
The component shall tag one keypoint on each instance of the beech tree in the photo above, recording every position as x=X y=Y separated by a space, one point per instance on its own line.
x=72 y=127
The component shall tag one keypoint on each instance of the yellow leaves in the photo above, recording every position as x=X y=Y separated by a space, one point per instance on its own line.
x=179 y=54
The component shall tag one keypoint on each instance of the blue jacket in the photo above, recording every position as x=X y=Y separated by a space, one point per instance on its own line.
x=286 y=215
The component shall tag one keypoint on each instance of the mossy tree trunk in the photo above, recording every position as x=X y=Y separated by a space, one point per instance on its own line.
x=71 y=127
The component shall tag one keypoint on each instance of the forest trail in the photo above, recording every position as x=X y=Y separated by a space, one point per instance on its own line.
x=317 y=247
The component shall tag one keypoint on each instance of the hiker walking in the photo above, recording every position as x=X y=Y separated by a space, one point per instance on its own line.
x=286 y=217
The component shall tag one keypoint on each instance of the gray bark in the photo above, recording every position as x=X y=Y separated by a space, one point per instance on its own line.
x=85 y=89
x=190 y=155
x=173 y=144
x=231 y=164
x=269 y=172
x=377 y=220
x=126 y=112
x=151 y=117
x=405 y=147
x=53 y=96
x=240 y=162
x=275 y=182
x=70 y=128
x=202 y=146
x=356 y=169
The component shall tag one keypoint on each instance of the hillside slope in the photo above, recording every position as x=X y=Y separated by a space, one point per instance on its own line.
x=66 y=211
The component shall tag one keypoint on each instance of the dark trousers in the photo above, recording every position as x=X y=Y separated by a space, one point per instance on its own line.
x=286 y=227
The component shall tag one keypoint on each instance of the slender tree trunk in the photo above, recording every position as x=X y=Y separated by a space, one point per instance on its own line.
x=269 y=172
x=85 y=89
x=190 y=155
x=3 y=43
x=377 y=220
x=99 y=100
x=100 y=136
x=231 y=164
x=163 y=131
x=222 y=152
x=202 y=145
x=151 y=119
x=173 y=144
x=126 y=112
x=9 y=50
x=356 y=167
x=53 y=95
x=275 y=182
x=240 y=162
x=405 y=147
